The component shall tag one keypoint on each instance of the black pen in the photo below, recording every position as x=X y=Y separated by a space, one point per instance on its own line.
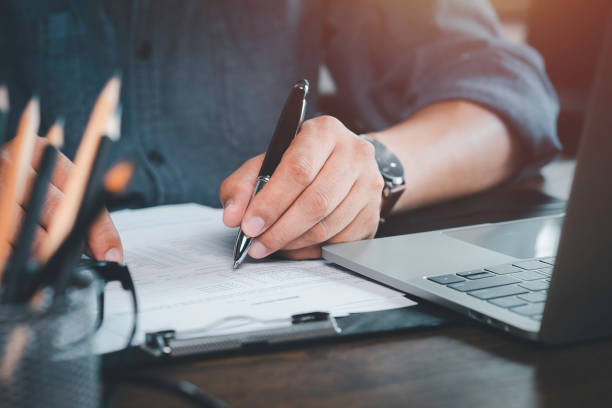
x=287 y=127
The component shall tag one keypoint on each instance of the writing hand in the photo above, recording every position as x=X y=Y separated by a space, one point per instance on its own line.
x=326 y=189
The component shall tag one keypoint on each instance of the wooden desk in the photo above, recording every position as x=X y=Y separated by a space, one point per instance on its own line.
x=466 y=365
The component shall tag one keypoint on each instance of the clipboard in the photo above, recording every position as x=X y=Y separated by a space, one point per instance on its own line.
x=165 y=345
x=169 y=343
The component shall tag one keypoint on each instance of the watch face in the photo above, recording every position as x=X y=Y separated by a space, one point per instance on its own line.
x=388 y=163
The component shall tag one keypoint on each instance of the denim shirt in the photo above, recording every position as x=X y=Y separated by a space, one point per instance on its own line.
x=204 y=80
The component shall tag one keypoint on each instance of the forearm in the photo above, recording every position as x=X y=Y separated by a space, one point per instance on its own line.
x=451 y=149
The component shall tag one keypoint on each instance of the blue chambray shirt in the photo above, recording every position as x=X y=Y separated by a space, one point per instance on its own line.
x=204 y=80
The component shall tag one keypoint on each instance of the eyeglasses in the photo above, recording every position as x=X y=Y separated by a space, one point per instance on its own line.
x=112 y=272
x=98 y=275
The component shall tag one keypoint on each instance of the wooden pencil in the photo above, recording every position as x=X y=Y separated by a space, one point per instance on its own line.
x=58 y=270
x=74 y=190
x=100 y=164
x=16 y=271
x=4 y=110
x=21 y=156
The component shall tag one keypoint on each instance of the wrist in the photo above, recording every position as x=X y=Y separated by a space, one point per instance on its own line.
x=391 y=171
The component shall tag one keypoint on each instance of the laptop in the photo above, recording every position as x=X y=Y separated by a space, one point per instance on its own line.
x=547 y=279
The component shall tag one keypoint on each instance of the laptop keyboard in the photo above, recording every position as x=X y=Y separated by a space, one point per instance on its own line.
x=520 y=287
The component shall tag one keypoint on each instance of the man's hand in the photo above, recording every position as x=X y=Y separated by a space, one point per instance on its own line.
x=326 y=189
x=103 y=242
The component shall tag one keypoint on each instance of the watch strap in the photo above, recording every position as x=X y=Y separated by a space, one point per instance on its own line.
x=391 y=193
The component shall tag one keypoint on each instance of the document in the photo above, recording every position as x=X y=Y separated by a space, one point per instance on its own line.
x=180 y=257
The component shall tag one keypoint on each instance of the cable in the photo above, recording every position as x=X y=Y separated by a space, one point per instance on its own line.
x=183 y=389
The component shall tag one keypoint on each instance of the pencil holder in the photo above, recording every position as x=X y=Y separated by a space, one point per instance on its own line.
x=46 y=357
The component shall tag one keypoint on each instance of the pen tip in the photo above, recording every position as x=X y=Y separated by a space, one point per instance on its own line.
x=236 y=264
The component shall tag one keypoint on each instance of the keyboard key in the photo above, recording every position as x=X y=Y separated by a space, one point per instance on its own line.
x=549 y=260
x=510 y=301
x=478 y=274
x=499 y=291
x=527 y=275
x=530 y=309
x=529 y=265
x=534 y=297
x=535 y=285
x=537 y=317
x=503 y=269
x=446 y=279
x=481 y=275
x=468 y=273
x=483 y=283
x=545 y=271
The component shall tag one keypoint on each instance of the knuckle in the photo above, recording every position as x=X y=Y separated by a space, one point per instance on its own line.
x=223 y=188
x=272 y=242
x=317 y=203
x=301 y=169
x=364 y=149
x=326 y=122
x=308 y=126
x=255 y=161
x=318 y=233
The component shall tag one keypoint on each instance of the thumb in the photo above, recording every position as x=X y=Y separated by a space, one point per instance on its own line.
x=103 y=241
x=236 y=191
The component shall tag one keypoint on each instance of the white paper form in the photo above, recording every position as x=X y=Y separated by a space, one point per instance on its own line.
x=180 y=258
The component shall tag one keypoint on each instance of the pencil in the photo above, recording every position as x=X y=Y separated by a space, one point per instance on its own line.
x=4 y=110
x=16 y=272
x=100 y=164
x=58 y=270
x=74 y=191
x=21 y=154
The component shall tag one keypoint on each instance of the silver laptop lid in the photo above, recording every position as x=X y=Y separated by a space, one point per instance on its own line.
x=579 y=304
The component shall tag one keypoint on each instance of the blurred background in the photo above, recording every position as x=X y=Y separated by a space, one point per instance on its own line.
x=568 y=34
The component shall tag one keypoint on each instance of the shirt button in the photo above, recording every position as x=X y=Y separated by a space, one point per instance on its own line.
x=155 y=157
x=145 y=51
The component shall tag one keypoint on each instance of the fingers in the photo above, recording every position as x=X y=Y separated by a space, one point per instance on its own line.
x=335 y=222
x=298 y=168
x=236 y=191
x=318 y=201
x=39 y=235
x=327 y=188
x=312 y=252
x=364 y=226
x=63 y=165
x=311 y=213
x=104 y=242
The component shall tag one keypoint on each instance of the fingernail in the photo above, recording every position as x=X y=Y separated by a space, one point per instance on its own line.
x=113 y=255
x=257 y=250
x=253 y=226
x=228 y=203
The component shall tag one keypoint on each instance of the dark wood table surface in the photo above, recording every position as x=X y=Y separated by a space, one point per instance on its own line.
x=464 y=365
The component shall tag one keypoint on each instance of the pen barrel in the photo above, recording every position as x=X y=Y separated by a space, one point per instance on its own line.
x=287 y=127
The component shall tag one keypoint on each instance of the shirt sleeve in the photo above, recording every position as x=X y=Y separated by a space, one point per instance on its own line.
x=391 y=58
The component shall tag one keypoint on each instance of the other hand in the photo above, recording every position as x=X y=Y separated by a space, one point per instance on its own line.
x=103 y=239
x=326 y=189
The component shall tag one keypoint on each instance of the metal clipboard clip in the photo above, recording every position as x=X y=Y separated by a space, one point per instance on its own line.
x=170 y=343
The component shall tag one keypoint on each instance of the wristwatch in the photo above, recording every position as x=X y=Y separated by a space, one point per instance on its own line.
x=393 y=174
